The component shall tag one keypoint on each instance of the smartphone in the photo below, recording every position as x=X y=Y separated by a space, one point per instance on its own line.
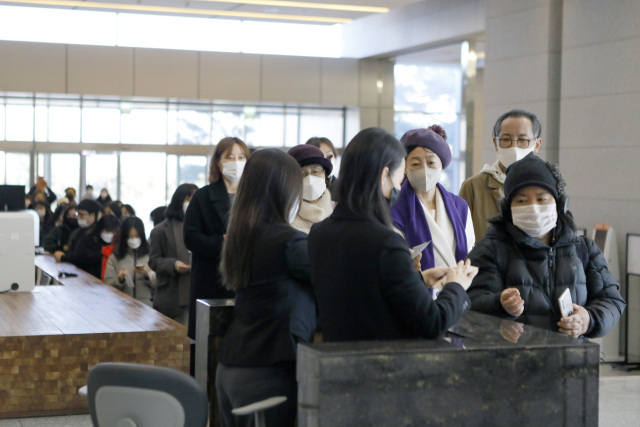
x=565 y=303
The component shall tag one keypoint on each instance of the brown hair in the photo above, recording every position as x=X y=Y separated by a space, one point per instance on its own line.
x=224 y=145
x=316 y=141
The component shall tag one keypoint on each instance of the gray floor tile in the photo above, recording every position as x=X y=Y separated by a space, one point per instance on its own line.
x=64 y=421
x=10 y=423
x=619 y=401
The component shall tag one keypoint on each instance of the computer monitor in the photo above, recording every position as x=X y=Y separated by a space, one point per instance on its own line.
x=12 y=198
x=17 y=257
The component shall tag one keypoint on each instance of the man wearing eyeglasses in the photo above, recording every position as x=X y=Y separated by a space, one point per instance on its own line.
x=515 y=134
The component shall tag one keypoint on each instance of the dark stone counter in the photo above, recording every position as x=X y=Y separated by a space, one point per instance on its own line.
x=486 y=372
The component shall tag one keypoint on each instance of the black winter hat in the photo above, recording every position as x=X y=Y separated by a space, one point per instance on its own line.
x=527 y=172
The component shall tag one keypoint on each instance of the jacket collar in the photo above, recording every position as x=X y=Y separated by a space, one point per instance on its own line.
x=510 y=233
x=341 y=212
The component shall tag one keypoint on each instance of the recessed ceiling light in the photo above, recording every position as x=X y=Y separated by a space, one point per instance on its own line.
x=346 y=7
x=180 y=10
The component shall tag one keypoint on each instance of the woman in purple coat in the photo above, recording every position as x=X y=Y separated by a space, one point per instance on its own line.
x=425 y=211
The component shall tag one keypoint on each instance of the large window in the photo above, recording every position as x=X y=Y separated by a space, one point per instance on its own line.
x=141 y=151
x=428 y=91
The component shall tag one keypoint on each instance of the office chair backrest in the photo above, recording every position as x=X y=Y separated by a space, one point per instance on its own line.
x=128 y=395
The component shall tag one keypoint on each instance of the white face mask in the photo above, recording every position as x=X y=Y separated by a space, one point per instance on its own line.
x=424 y=179
x=83 y=223
x=89 y=192
x=106 y=236
x=508 y=156
x=233 y=170
x=535 y=220
x=313 y=187
x=134 y=243
x=104 y=194
x=185 y=205
x=294 y=211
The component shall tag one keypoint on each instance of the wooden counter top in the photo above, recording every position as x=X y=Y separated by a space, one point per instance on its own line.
x=51 y=337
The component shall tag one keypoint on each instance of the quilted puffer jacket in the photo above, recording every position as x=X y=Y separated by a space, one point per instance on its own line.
x=509 y=258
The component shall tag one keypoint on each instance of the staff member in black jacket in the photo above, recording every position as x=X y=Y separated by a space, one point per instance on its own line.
x=364 y=279
x=58 y=238
x=266 y=262
x=205 y=223
x=531 y=255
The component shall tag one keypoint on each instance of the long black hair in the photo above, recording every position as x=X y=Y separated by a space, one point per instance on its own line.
x=120 y=245
x=107 y=222
x=270 y=186
x=175 y=209
x=359 y=189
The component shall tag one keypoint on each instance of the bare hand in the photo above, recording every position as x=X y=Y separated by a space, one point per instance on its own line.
x=577 y=324
x=181 y=267
x=511 y=331
x=142 y=270
x=462 y=274
x=122 y=275
x=434 y=277
x=416 y=261
x=512 y=302
x=58 y=255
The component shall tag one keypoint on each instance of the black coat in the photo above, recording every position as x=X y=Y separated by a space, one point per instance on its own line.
x=57 y=238
x=88 y=254
x=547 y=272
x=75 y=237
x=277 y=309
x=205 y=225
x=367 y=287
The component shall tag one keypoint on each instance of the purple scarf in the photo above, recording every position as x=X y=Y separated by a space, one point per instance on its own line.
x=409 y=217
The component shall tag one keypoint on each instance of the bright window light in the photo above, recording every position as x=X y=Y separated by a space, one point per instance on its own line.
x=175 y=32
x=37 y=24
x=292 y=39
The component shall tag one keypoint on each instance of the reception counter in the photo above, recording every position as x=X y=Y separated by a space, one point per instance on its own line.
x=50 y=339
x=486 y=372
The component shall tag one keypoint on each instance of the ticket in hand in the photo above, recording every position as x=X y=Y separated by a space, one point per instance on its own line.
x=418 y=249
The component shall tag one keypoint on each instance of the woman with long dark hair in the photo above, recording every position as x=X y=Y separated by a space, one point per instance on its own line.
x=128 y=267
x=363 y=276
x=94 y=248
x=205 y=223
x=265 y=261
x=331 y=154
x=170 y=259
x=530 y=255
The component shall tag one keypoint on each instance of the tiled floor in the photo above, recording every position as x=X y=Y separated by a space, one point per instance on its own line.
x=619 y=404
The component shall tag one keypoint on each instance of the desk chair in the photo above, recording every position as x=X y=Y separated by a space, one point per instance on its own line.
x=128 y=395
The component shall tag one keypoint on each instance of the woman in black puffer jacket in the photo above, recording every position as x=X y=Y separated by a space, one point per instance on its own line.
x=531 y=254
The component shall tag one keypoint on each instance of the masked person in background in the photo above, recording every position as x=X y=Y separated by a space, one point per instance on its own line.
x=128 y=266
x=88 y=193
x=89 y=212
x=330 y=153
x=205 y=223
x=171 y=260
x=58 y=238
x=515 y=134
x=425 y=211
x=316 y=197
x=104 y=198
x=94 y=249
x=531 y=255
x=45 y=214
x=42 y=187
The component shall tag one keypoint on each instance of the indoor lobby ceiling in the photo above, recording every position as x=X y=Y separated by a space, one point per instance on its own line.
x=321 y=11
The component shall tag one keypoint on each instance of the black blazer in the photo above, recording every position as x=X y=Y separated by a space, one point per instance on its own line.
x=367 y=287
x=205 y=225
x=277 y=309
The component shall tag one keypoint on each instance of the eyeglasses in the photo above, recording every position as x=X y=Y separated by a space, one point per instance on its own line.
x=508 y=142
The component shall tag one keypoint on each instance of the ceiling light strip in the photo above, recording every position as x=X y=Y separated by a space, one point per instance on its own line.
x=174 y=10
x=328 y=6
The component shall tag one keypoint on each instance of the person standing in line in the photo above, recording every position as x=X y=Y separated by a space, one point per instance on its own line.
x=205 y=225
x=128 y=266
x=58 y=238
x=330 y=153
x=316 y=197
x=104 y=198
x=94 y=249
x=515 y=134
x=426 y=212
x=127 y=211
x=366 y=286
x=42 y=187
x=265 y=261
x=171 y=260
x=88 y=193
x=89 y=213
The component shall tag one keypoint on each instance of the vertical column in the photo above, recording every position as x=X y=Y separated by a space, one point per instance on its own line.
x=523 y=67
x=376 y=94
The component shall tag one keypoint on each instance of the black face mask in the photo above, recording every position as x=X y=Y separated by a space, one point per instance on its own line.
x=395 y=195
x=72 y=223
x=70 y=196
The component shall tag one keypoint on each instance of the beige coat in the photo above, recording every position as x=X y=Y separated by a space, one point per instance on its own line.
x=310 y=213
x=482 y=192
